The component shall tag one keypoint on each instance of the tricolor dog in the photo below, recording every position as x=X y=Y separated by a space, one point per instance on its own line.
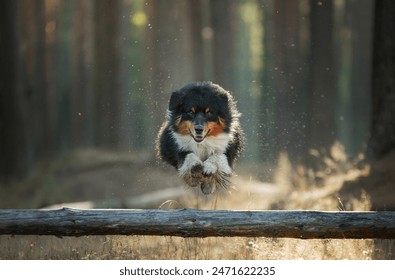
x=201 y=136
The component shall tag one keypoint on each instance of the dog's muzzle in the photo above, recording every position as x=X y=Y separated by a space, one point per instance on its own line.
x=198 y=134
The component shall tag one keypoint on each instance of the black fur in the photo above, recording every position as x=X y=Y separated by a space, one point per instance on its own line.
x=200 y=104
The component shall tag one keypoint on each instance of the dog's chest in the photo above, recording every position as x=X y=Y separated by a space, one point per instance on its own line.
x=210 y=145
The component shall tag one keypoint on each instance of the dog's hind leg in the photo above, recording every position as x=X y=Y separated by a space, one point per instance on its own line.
x=215 y=182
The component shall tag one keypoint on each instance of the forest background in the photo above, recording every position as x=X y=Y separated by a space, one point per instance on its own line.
x=97 y=75
x=84 y=88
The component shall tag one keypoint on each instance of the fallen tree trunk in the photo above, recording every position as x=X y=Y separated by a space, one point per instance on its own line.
x=199 y=223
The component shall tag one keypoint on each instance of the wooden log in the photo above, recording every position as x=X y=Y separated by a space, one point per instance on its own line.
x=199 y=223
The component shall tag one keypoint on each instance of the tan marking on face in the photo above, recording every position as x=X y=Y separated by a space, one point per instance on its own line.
x=213 y=128
x=193 y=110
x=185 y=127
x=207 y=110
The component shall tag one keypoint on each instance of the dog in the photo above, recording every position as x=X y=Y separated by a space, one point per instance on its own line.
x=201 y=136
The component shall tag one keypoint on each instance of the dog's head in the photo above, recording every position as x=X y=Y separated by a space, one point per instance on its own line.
x=201 y=110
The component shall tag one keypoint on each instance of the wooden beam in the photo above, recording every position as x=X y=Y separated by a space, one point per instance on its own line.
x=199 y=223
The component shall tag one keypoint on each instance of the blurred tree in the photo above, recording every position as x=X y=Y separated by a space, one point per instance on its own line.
x=267 y=113
x=129 y=133
x=248 y=66
x=288 y=70
x=12 y=124
x=382 y=130
x=224 y=26
x=168 y=63
x=23 y=99
x=197 y=45
x=52 y=30
x=107 y=70
x=82 y=93
x=322 y=97
x=63 y=75
x=136 y=101
x=360 y=19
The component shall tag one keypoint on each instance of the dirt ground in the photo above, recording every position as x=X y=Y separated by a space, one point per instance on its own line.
x=102 y=179
x=108 y=177
x=88 y=175
x=378 y=184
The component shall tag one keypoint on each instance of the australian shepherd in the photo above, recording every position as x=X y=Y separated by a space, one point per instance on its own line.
x=201 y=136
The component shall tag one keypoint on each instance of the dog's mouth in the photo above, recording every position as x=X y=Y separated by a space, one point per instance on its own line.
x=199 y=137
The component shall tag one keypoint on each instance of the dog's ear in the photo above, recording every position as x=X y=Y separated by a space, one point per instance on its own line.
x=175 y=100
x=225 y=109
x=224 y=98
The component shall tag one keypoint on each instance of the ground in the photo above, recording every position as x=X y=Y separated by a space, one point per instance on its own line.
x=378 y=184
x=103 y=179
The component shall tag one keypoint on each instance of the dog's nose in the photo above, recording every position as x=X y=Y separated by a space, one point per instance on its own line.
x=199 y=129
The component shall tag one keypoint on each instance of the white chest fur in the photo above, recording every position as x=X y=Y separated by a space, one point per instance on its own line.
x=209 y=146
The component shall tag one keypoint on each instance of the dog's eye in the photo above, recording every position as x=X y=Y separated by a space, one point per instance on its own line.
x=209 y=114
x=192 y=111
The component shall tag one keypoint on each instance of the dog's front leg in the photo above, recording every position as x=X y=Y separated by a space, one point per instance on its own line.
x=217 y=172
x=217 y=163
x=191 y=170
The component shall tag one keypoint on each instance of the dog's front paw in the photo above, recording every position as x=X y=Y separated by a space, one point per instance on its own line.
x=197 y=170
x=192 y=164
x=216 y=164
x=223 y=166
x=191 y=170
x=209 y=166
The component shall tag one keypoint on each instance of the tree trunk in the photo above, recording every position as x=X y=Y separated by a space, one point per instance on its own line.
x=267 y=113
x=322 y=122
x=63 y=76
x=168 y=64
x=24 y=121
x=107 y=69
x=12 y=148
x=195 y=9
x=199 y=223
x=52 y=30
x=82 y=94
x=288 y=66
x=360 y=20
x=224 y=26
x=382 y=131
